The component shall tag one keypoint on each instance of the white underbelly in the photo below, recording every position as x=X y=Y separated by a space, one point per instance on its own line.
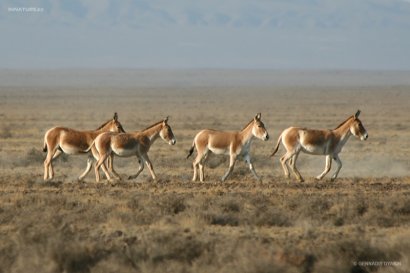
x=70 y=150
x=314 y=150
x=124 y=152
x=218 y=151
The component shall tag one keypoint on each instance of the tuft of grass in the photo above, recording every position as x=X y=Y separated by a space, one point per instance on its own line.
x=403 y=208
x=33 y=157
x=75 y=256
x=231 y=205
x=172 y=204
x=222 y=219
x=5 y=132
x=272 y=216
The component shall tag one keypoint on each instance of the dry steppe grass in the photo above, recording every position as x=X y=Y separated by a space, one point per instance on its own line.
x=181 y=226
x=175 y=225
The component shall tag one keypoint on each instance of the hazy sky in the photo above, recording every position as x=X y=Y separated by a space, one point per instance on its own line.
x=282 y=34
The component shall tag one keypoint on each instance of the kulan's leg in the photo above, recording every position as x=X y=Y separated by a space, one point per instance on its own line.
x=327 y=167
x=90 y=161
x=294 y=169
x=48 y=167
x=100 y=162
x=196 y=163
x=232 y=161
x=339 y=166
x=283 y=160
x=98 y=155
x=57 y=153
x=140 y=168
x=150 y=167
x=194 y=166
x=251 y=168
x=201 y=172
x=109 y=162
x=111 y=166
x=105 y=170
x=201 y=167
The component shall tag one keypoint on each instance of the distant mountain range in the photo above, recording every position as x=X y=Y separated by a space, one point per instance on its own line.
x=218 y=13
x=318 y=34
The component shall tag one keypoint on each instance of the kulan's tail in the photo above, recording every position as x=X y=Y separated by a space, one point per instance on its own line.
x=45 y=147
x=191 y=150
x=89 y=148
x=277 y=145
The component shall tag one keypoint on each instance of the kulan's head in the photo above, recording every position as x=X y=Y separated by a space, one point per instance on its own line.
x=356 y=127
x=166 y=133
x=114 y=125
x=258 y=129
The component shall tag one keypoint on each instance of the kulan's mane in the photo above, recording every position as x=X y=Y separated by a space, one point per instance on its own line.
x=341 y=124
x=246 y=126
x=153 y=125
x=103 y=125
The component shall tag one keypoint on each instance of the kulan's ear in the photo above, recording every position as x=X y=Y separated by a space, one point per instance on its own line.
x=357 y=114
x=165 y=121
x=258 y=116
x=115 y=116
